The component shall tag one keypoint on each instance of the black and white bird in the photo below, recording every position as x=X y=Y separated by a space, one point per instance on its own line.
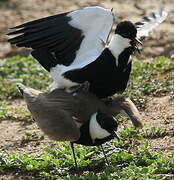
x=73 y=47
x=81 y=118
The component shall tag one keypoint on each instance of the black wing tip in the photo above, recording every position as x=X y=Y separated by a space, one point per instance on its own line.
x=11 y=33
x=147 y=18
x=16 y=42
x=11 y=28
x=18 y=26
x=9 y=40
x=139 y=23
x=38 y=21
x=15 y=30
x=12 y=41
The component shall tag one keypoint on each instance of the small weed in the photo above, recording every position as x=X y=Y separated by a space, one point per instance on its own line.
x=7 y=111
x=147 y=78
x=3 y=109
x=156 y=132
x=150 y=79
x=55 y=164
x=120 y=118
x=28 y=137
x=24 y=70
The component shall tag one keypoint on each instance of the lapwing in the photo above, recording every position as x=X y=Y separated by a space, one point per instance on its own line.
x=74 y=47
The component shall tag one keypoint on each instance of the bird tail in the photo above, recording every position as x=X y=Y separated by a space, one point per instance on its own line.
x=28 y=93
x=21 y=88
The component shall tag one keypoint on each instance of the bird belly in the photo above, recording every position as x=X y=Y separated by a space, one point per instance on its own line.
x=60 y=81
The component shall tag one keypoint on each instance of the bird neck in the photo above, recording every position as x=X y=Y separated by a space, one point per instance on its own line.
x=95 y=130
x=117 y=45
x=92 y=134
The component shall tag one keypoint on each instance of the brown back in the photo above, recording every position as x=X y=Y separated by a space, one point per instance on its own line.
x=57 y=112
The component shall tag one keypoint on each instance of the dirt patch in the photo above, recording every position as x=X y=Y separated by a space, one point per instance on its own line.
x=165 y=108
x=13 y=137
x=159 y=113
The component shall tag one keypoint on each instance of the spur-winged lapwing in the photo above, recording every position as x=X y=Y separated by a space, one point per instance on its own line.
x=73 y=47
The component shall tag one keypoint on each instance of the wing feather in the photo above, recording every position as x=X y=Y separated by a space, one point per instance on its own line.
x=73 y=37
x=149 y=23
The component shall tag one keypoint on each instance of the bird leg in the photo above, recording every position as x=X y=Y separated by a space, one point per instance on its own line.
x=74 y=156
x=106 y=159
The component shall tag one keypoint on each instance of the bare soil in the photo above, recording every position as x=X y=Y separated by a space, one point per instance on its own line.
x=159 y=112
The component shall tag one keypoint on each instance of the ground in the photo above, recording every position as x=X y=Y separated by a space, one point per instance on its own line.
x=158 y=112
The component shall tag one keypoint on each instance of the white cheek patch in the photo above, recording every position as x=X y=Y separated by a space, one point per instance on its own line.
x=95 y=130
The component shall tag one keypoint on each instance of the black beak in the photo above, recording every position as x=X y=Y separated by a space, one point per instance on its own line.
x=134 y=43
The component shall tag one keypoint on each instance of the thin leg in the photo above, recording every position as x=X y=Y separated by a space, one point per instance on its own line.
x=106 y=159
x=74 y=156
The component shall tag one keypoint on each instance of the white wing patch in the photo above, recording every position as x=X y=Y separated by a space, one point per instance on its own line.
x=96 y=24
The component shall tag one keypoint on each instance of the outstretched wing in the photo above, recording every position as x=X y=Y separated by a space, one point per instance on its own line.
x=67 y=38
x=148 y=23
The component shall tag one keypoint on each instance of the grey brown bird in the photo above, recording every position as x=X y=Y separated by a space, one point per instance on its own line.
x=79 y=118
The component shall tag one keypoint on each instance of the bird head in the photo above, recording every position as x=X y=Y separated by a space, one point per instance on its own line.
x=128 y=32
x=102 y=127
x=107 y=122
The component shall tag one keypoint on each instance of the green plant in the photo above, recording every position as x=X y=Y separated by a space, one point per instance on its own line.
x=24 y=70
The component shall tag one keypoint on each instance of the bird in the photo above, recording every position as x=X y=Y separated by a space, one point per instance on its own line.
x=79 y=118
x=74 y=47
